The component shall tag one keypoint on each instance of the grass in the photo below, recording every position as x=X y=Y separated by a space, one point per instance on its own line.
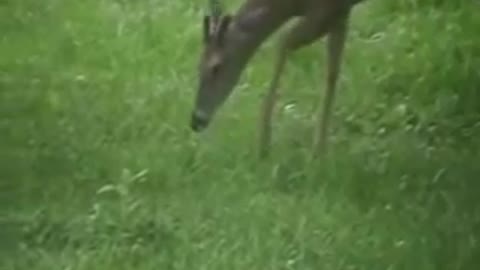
x=99 y=169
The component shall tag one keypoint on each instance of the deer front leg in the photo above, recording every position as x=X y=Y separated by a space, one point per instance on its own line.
x=303 y=33
x=269 y=104
x=335 y=47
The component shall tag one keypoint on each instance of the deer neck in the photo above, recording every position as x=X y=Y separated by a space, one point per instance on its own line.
x=251 y=26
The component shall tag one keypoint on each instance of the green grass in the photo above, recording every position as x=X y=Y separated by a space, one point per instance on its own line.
x=99 y=170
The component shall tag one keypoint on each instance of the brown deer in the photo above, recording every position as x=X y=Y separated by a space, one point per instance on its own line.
x=230 y=41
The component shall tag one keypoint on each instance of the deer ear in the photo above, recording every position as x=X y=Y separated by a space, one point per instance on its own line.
x=206 y=29
x=222 y=28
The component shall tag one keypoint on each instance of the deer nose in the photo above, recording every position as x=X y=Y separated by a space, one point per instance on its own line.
x=199 y=122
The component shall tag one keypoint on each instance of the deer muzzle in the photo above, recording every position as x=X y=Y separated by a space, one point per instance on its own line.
x=199 y=121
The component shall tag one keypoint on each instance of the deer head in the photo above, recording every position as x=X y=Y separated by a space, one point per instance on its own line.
x=218 y=69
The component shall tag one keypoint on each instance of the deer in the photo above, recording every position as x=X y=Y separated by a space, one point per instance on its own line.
x=231 y=40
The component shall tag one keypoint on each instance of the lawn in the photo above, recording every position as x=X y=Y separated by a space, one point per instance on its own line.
x=100 y=170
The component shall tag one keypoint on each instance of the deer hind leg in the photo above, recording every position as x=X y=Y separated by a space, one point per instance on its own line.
x=303 y=33
x=335 y=47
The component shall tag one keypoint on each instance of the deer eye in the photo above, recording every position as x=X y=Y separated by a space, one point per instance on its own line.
x=216 y=69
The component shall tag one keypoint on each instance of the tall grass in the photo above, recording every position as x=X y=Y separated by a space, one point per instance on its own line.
x=99 y=169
